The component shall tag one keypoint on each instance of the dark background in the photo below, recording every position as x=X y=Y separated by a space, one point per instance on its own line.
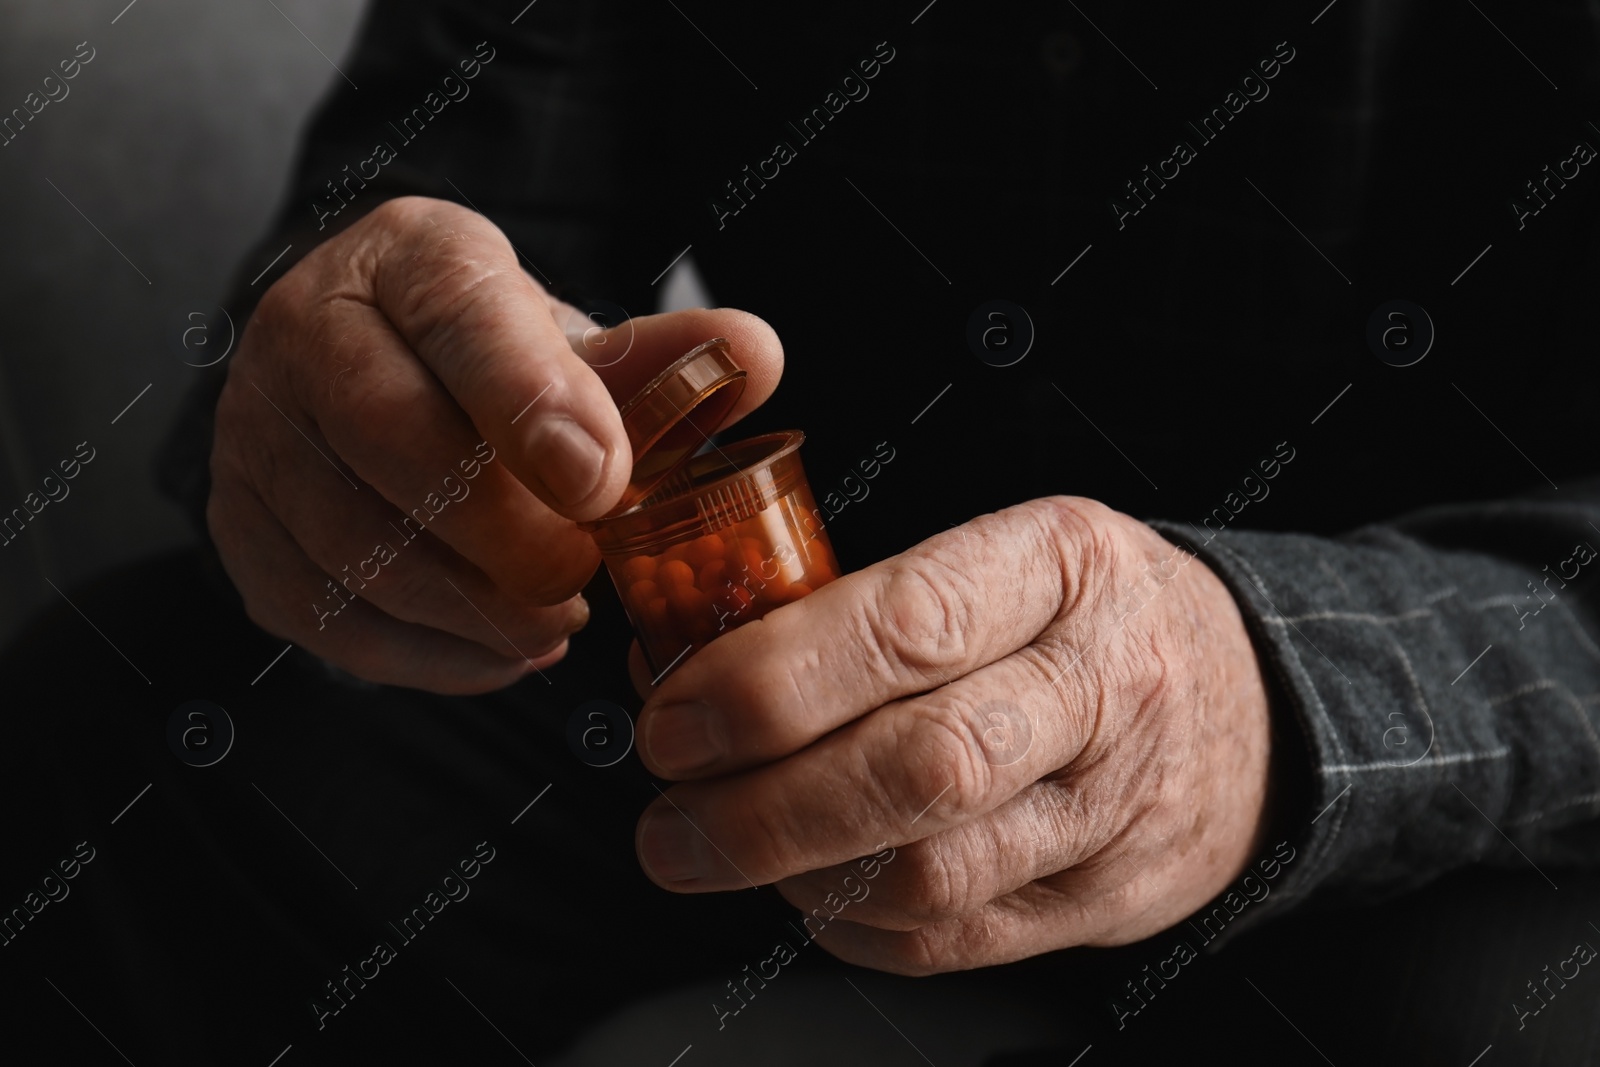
x=1195 y=340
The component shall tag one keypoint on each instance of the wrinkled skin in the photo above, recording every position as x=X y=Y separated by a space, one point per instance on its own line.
x=1058 y=754
x=394 y=349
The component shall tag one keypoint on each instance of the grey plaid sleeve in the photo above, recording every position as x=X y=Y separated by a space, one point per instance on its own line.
x=1444 y=674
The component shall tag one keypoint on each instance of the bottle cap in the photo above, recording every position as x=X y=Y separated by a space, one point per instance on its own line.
x=672 y=417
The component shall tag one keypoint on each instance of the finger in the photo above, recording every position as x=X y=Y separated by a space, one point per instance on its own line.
x=449 y=281
x=957 y=871
x=452 y=286
x=392 y=421
x=400 y=432
x=280 y=584
x=919 y=620
x=376 y=552
x=914 y=768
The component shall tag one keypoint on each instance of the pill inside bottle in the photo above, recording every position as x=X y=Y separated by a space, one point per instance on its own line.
x=708 y=536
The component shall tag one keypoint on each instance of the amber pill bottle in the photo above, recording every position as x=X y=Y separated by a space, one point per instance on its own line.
x=707 y=536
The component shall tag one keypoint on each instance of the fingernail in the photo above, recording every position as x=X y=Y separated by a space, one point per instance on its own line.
x=670 y=848
x=569 y=461
x=685 y=737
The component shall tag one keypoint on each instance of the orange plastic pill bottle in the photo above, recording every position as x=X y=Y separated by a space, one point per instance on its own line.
x=707 y=537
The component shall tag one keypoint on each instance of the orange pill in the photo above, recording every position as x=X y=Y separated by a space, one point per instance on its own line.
x=703 y=550
x=713 y=576
x=798 y=590
x=674 y=574
x=761 y=567
x=689 y=606
x=638 y=569
x=733 y=601
x=655 y=615
x=642 y=592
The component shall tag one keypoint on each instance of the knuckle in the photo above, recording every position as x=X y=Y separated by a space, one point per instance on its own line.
x=257 y=467
x=937 y=887
x=410 y=593
x=951 y=759
x=279 y=303
x=448 y=301
x=438 y=297
x=1074 y=516
x=410 y=215
x=397 y=213
x=1082 y=534
x=918 y=616
x=276 y=331
x=767 y=840
x=442 y=266
x=921 y=952
x=275 y=305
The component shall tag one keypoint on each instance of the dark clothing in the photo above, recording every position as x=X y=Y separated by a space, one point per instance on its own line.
x=219 y=905
x=1201 y=356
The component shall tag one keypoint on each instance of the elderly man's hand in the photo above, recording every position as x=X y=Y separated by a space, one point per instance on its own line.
x=1054 y=715
x=407 y=434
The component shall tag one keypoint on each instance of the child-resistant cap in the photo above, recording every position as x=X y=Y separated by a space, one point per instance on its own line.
x=672 y=417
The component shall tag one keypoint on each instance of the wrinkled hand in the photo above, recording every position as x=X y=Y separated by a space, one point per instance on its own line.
x=407 y=434
x=1055 y=716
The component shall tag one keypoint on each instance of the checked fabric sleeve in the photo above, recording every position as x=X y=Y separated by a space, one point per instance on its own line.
x=1442 y=672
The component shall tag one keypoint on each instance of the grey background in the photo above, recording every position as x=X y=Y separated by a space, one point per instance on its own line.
x=175 y=141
